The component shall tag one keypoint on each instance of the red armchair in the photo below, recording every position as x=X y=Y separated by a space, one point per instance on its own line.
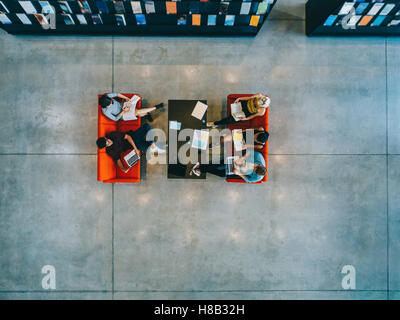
x=107 y=171
x=253 y=123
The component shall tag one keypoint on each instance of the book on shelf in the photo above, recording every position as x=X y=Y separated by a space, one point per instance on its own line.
x=223 y=7
x=353 y=21
x=150 y=8
x=24 y=18
x=64 y=5
x=4 y=19
x=361 y=7
x=365 y=20
x=67 y=19
x=346 y=8
x=245 y=8
x=196 y=18
x=375 y=9
x=41 y=19
x=254 y=20
x=182 y=20
x=212 y=20
x=386 y=10
x=140 y=19
x=262 y=7
x=97 y=19
x=119 y=6
x=28 y=7
x=378 y=21
x=394 y=22
x=330 y=20
x=136 y=7
x=120 y=19
x=229 y=20
x=3 y=8
x=81 y=18
x=84 y=6
x=170 y=7
x=102 y=6
x=46 y=7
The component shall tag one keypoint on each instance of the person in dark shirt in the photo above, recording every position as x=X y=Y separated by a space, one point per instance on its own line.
x=117 y=142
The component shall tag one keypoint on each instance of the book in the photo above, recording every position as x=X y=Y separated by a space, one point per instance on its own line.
x=28 y=7
x=65 y=6
x=170 y=7
x=346 y=8
x=330 y=20
x=3 y=8
x=131 y=114
x=353 y=21
x=4 y=19
x=196 y=19
x=254 y=21
x=120 y=19
x=378 y=21
x=136 y=7
x=68 y=19
x=102 y=6
x=229 y=20
x=365 y=20
x=245 y=8
x=199 y=110
x=46 y=7
x=41 y=19
x=212 y=20
x=223 y=7
x=149 y=5
x=119 y=6
x=394 y=22
x=24 y=18
x=182 y=20
x=262 y=7
x=84 y=6
x=361 y=7
x=81 y=19
x=375 y=9
x=140 y=19
x=237 y=112
x=97 y=19
x=386 y=10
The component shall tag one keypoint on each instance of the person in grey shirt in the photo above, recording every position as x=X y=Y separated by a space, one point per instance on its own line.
x=114 y=110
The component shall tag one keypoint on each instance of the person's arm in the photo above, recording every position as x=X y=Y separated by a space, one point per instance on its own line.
x=130 y=140
x=123 y=97
x=121 y=166
x=109 y=115
x=237 y=172
x=248 y=98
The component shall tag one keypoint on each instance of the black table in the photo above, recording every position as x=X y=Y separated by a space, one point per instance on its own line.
x=181 y=111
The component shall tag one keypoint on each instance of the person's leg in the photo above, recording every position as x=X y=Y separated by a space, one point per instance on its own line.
x=215 y=169
x=139 y=137
x=142 y=112
x=222 y=122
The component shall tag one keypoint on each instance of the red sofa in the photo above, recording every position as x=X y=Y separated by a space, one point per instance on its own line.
x=107 y=171
x=253 y=123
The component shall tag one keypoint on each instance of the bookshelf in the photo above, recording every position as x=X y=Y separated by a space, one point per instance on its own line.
x=107 y=17
x=358 y=18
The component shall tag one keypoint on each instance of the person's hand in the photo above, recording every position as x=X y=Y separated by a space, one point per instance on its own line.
x=238 y=162
x=243 y=119
x=236 y=171
x=237 y=100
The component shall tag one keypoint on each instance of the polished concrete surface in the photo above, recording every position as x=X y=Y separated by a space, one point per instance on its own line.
x=334 y=169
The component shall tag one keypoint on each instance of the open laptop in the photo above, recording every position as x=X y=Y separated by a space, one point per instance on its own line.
x=131 y=158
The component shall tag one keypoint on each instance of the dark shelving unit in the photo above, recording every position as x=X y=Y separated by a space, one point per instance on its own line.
x=160 y=22
x=323 y=18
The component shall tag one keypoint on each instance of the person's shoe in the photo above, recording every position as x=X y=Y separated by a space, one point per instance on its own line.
x=194 y=170
x=160 y=106
x=211 y=125
x=149 y=117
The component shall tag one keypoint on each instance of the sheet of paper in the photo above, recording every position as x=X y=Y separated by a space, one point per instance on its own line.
x=200 y=139
x=199 y=110
x=175 y=125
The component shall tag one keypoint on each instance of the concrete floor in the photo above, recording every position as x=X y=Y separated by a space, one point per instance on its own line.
x=333 y=193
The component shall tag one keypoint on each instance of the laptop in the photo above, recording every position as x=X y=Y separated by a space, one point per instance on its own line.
x=230 y=165
x=131 y=158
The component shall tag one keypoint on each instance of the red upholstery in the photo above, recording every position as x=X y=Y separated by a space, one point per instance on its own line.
x=107 y=171
x=253 y=123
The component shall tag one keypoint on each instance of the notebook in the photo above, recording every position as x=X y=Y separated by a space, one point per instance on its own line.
x=199 y=110
x=130 y=115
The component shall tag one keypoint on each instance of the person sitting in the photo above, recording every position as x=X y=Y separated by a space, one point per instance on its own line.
x=114 y=110
x=252 y=107
x=250 y=167
x=117 y=142
x=260 y=138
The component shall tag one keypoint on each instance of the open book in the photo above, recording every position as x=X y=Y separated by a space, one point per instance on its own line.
x=237 y=112
x=130 y=115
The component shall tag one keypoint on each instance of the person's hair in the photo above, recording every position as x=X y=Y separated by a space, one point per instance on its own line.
x=260 y=170
x=263 y=137
x=101 y=143
x=263 y=102
x=104 y=101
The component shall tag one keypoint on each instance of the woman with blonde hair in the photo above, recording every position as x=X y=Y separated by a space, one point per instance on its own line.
x=252 y=107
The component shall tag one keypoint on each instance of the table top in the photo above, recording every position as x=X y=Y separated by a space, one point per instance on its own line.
x=181 y=111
